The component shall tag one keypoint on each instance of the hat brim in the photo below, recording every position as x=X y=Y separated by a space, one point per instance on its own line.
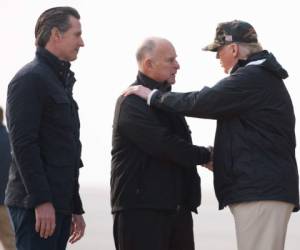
x=212 y=47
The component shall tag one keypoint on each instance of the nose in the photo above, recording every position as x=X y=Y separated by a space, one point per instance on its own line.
x=217 y=55
x=81 y=42
x=177 y=65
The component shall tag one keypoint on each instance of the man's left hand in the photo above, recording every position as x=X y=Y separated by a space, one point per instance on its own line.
x=77 y=228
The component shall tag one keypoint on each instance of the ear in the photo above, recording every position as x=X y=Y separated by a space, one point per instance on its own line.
x=148 y=64
x=56 y=35
x=235 y=50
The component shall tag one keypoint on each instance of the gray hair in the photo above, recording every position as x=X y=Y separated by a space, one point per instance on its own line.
x=146 y=48
x=55 y=17
x=247 y=49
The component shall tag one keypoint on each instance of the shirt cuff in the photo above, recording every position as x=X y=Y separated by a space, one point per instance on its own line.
x=150 y=96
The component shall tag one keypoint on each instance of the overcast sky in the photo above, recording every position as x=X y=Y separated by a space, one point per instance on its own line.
x=113 y=29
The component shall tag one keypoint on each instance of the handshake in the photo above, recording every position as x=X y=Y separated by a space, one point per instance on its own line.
x=209 y=165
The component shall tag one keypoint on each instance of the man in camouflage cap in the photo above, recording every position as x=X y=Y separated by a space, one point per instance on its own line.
x=255 y=169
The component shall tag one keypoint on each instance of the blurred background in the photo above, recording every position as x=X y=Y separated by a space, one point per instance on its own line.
x=112 y=31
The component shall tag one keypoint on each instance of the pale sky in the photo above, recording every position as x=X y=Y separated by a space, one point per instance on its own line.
x=113 y=29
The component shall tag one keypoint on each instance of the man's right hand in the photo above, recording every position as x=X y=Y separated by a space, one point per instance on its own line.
x=138 y=90
x=45 y=220
x=209 y=165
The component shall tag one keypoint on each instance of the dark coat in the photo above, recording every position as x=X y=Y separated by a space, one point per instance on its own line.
x=254 y=154
x=5 y=159
x=153 y=158
x=44 y=126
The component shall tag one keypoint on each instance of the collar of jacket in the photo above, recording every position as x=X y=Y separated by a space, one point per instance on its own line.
x=269 y=63
x=254 y=57
x=151 y=84
x=60 y=67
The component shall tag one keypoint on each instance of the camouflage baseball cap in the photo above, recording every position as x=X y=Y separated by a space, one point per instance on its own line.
x=230 y=32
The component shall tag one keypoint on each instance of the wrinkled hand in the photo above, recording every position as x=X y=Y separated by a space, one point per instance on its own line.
x=45 y=220
x=138 y=90
x=77 y=228
x=209 y=165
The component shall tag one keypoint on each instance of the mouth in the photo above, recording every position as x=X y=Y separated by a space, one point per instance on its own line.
x=172 y=78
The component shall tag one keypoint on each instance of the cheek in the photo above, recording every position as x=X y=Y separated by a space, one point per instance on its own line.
x=162 y=70
x=168 y=69
x=168 y=72
x=226 y=60
x=70 y=43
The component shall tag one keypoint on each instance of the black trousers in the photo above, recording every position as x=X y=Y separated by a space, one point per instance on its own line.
x=28 y=239
x=153 y=230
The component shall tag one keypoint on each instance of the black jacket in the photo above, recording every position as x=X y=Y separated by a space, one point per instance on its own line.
x=153 y=159
x=5 y=159
x=254 y=154
x=43 y=124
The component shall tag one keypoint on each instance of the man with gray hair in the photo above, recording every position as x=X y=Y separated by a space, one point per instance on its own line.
x=255 y=170
x=154 y=180
x=42 y=116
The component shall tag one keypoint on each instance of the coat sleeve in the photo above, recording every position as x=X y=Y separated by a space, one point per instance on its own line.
x=140 y=124
x=24 y=113
x=231 y=96
x=77 y=208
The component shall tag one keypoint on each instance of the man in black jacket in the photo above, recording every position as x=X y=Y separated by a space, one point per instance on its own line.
x=7 y=235
x=43 y=190
x=154 y=180
x=255 y=170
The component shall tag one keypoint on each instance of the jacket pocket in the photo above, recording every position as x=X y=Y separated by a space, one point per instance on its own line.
x=60 y=111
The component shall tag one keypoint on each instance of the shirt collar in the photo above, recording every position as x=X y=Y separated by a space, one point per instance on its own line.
x=152 y=84
x=55 y=62
x=60 y=67
x=255 y=57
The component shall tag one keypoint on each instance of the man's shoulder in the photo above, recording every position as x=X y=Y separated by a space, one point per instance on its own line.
x=135 y=104
x=33 y=69
x=132 y=101
x=130 y=108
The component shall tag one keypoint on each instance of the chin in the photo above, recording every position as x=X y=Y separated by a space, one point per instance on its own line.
x=171 y=81
x=225 y=70
x=73 y=58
